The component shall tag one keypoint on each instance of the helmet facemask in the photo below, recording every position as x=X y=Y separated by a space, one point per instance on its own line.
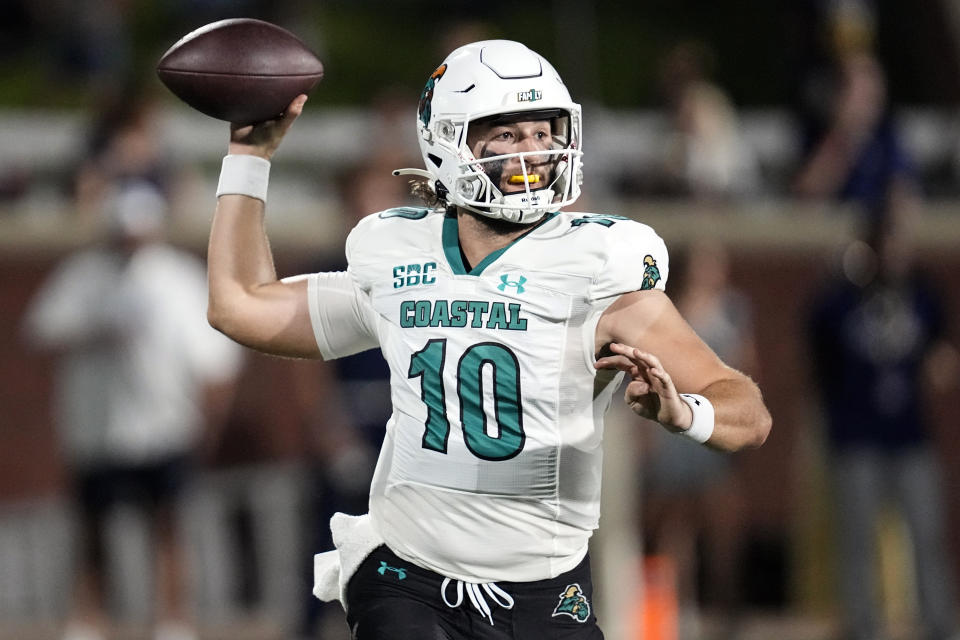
x=543 y=179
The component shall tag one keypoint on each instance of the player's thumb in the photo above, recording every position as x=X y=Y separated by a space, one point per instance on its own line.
x=294 y=110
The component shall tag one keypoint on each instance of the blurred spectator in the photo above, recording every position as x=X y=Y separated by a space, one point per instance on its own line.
x=693 y=502
x=125 y=144
x=861 y=156
x=464 y=29
x=247 y=511
x=822 y=32
x=707 y=156
x=140 y=375
x=854 y=149
x=90 y=41
x=879 y=348
x=392 y=140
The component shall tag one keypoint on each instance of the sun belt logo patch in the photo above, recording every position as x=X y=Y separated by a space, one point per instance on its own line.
x=651 y=273
x=573 y=603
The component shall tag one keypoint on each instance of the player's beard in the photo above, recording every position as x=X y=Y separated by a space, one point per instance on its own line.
x=496 y=225
x=499 y=226
x=493 y=169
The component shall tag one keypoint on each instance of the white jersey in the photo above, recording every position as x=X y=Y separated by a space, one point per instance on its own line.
x=490 y=467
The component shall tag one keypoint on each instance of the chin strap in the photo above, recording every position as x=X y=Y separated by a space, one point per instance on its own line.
x=422 y=173
x=431 y=181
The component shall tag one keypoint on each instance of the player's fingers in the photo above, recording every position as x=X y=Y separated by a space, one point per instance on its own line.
x=637 y=388
x=616 y=362
x=623 y=349
x=641 y=358
x=626 y=353
x=648 y=359
x=291 y=113
x=653 y=370
x=661 y=381
x=659 y=373
x=296 y=107
x=240 y=131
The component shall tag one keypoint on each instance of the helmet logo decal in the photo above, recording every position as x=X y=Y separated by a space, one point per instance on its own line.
x=423 y=109
x=530 y=96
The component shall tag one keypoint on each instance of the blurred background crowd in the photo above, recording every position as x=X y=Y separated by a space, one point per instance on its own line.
x=800 y=157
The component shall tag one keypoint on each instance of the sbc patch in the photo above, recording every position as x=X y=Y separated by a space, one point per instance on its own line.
x=573 y=603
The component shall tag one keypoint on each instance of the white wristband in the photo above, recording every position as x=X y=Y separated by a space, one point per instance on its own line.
x=244 y=175
x=702 y=426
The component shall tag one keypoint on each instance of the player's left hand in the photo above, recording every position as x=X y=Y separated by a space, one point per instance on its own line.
x=651 y=393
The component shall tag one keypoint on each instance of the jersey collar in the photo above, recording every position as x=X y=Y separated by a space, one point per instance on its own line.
x=451 y=245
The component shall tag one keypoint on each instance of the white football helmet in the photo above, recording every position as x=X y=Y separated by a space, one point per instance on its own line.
x=507 y=80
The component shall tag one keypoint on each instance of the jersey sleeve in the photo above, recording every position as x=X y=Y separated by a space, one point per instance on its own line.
x=341 y=315
x=636 y=259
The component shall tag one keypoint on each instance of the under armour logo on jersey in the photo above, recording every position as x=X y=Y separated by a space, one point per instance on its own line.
x=505 y=282
x=384 y=567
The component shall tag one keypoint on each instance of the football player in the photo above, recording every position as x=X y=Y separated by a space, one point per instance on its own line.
x=508 y=325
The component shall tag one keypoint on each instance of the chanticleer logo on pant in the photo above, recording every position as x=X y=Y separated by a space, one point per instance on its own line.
x=573 y=603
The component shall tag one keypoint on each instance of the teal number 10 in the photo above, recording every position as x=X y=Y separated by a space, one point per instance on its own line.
x=428 y=364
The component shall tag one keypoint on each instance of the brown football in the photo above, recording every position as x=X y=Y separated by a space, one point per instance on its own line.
x=240 y=70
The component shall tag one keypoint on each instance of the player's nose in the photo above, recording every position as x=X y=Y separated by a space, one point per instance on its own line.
x=530 y=148
x=530 y=143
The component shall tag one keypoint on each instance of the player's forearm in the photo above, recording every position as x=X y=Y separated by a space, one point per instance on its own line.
x=247 y=302
x=741 y=419
x=238 y=262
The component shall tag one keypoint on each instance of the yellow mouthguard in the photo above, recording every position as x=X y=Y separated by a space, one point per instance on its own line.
x=520 y=179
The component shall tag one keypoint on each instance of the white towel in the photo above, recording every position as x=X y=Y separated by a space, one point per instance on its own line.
x=354 y=538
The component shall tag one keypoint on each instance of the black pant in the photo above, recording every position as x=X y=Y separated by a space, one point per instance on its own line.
x=152 y=487
x=390 y=598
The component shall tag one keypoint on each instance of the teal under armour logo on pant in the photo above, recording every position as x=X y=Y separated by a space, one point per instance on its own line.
x=384 y=567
